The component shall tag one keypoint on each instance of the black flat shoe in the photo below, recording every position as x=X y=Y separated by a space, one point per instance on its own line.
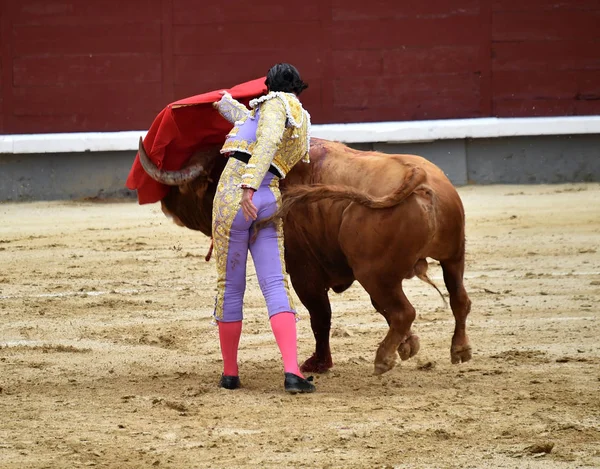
x=230 y=382
x=295 y=384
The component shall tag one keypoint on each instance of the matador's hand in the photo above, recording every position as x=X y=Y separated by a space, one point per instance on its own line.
x=223 y=93
x=249 y=209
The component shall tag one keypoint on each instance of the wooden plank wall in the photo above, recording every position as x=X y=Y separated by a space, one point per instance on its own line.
x=546 y=57
x=91 y=65
x=80 y=65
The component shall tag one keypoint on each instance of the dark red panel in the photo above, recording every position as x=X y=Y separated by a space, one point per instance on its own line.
x=588 y=84
x=533 y=108
x=411 y=110
x=6 y=69
x=312 y=100
x=549 y=84
x=106 y=120
x=407 y=60
x=345 y=116
x=535 y=84
x=343 y=10
x=458 y=59
x=80 y=65
x=418 y=96
x=364 y=92
x=368 y=62
x=58 y=100
x=484 y=58
x=73 y=12
x=587 y=107
x=98 y=107
x=554 y=55
x=244 y=11
x=86 y=39
x=544 y=5
x=234 y=38
x=167 y=57
x=86 y=69
x=2 y=110
x=394 y=33
x=220 y=67
x=1 y=71
x=571 y=24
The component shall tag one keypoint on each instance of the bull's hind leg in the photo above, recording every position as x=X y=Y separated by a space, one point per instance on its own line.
x=400 y=314
x=460 y=351
x=410 y=346
x=316 y=300
x=382 y=255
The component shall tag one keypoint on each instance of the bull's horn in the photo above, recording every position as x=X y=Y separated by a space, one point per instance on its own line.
x=170 y=178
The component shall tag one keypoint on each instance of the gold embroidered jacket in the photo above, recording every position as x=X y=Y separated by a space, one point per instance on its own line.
x=282 y=135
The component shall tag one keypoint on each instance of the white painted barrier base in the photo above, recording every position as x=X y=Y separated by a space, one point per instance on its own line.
x=383 y=132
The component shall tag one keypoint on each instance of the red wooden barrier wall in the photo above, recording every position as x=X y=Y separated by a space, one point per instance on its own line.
x=95 y=65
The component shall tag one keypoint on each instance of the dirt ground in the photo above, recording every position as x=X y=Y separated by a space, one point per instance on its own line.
x=108 y=357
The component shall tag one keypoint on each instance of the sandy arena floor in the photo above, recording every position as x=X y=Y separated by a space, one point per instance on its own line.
x=108 y=357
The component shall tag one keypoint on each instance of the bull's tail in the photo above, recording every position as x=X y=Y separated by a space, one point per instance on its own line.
x=420 y=270
x=425 y=278
x=306 y=194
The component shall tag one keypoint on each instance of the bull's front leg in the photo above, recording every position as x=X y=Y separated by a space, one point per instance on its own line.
x=320 y=322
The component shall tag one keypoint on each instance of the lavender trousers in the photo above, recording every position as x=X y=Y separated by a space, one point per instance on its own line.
x=232 y=241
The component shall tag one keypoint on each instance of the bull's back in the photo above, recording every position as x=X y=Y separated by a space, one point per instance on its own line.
x=380 y=174
x=374 y=172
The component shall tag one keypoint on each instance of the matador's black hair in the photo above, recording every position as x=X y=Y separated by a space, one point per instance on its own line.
x=284 y=77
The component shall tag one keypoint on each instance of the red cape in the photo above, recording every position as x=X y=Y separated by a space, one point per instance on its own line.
x=180 y=129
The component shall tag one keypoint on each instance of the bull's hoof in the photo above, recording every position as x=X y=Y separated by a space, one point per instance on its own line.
x=409 y=348
x=316 y=365
x=383 y=365
x=460 y=353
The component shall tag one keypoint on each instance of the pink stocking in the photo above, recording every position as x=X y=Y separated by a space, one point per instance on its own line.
x=229 y=337
x=284 y=330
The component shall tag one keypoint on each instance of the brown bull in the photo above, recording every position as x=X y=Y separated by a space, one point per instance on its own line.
x=351 y=215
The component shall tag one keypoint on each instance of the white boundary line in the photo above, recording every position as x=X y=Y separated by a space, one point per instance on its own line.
x=384 y=132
